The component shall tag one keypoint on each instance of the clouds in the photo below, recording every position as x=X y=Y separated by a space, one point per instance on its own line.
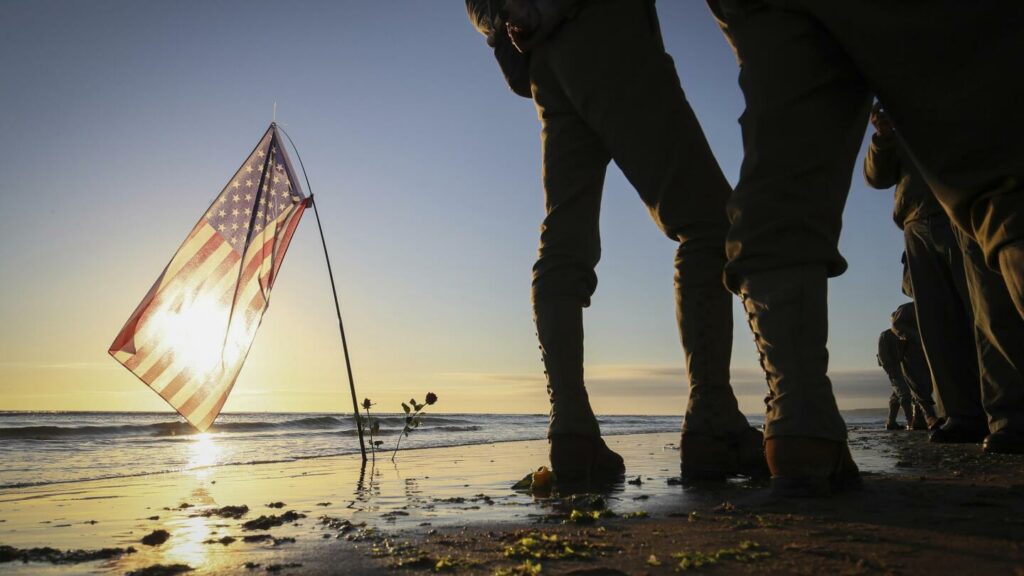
x=655 y=389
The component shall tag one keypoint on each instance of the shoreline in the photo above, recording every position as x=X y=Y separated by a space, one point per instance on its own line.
x=949 y=506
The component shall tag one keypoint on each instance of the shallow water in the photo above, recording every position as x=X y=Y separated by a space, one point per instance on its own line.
x=42 y=448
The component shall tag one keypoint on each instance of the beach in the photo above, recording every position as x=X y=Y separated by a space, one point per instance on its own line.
x=924 y=508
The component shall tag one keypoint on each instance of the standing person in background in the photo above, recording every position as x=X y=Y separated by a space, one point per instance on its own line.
x=942 y=302
x=890 y=353
x=914 y=368
x=605 y=90
x=940 y=257
x=808 y=70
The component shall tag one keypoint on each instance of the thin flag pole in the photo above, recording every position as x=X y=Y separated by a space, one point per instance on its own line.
x=337 y=307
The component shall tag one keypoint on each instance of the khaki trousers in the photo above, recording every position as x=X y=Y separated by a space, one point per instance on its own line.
x=605 y=90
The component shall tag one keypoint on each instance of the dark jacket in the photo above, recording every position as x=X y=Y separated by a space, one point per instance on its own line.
x=890 y=353
x=887 y=164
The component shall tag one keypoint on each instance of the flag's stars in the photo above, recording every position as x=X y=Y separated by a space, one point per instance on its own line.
x=236 y=198
x=223 y=199
x=234 y=212
x=234 y=225
x=223 y=213
x=263 y=200
x=266 y=186
x=258 y=227
x=276 y=180
x=260 y=153
x=287 y=182
x=248 y=197
x=249 y=183
x=259 y=213
x=235 y=184
x=245 y=224
x=221 y=227
x=248 y=211
x=248 y=169
x=273 y=149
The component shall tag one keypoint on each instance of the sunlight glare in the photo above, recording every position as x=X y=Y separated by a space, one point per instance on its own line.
x=203 y=451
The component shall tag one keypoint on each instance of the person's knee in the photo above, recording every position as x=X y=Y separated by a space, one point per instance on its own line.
x=563 y=280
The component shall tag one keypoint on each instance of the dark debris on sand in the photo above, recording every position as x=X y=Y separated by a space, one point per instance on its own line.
x=156 y=537
x=54 y=556
x=279 y=567
x=161 y=570
x=267 y=522
x=233 y=512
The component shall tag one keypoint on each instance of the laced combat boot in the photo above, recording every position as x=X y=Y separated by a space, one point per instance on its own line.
x=805 y=442
x=717 y=441
x=578 y=454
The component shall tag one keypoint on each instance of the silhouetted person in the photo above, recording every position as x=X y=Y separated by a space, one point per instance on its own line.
x=1000 y=336
x=941 y=299
x=808 y=69
x=605 y=90
x=914 y=366
x=948 y=271
x=889 y=355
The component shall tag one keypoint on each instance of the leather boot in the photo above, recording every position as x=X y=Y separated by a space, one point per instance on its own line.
x=714 y=458
x=577 y=451
x=806 y=437
x=583 y=461
x=717 y=440
x=894 y=412
x=810 y=466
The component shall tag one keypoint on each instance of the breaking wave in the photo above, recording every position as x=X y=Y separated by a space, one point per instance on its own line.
x=179 y=428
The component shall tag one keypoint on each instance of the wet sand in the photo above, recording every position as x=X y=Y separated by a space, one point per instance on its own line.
x=924 y=509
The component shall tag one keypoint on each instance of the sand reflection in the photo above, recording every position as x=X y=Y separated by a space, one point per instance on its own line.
x=186 y=546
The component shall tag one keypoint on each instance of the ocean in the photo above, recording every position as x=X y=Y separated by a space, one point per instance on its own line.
x=49 y=447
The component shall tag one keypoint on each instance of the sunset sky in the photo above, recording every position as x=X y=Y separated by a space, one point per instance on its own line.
x=121 y=121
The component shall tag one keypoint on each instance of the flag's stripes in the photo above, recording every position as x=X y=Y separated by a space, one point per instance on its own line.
x=193 y=244
x=251 y=316
x=214 y=261
x=175 y=382
x=164 y=371
x=286 y=238
x=190 y=335
x=224 y=286
x=201 y=243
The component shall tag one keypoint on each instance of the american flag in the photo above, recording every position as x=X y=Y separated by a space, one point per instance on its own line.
x=191 y=333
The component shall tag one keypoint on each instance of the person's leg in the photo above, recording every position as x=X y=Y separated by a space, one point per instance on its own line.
x=946 y=328
x=906 y=401
x=1000 y=336
x=915 y=371
x=806 y=112
x=563 y=277
x=623 y=84
x=946 y=81
x=894 y=411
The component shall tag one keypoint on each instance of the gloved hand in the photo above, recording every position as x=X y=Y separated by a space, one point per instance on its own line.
x=531 y=21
